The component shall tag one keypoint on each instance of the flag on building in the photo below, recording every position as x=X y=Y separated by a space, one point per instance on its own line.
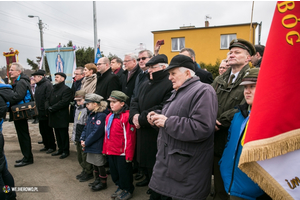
x=271 y=152
x=62 y=59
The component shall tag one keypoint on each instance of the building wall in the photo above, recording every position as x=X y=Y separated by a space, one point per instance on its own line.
x=204 y=41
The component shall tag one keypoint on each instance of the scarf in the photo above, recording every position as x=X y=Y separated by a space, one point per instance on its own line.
x=89 y=83
x=110 y=119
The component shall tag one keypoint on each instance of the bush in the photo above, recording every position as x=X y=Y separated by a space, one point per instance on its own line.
x=213 y=69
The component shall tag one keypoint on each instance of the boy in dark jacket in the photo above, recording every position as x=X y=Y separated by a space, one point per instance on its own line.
x=119 y=145
x=78 y=126
x=93 y=135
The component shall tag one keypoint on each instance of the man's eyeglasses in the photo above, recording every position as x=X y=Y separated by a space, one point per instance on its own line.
x=99 y=63
x=143 y=58
x=222 y=68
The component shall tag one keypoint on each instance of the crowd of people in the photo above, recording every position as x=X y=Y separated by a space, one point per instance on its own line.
x=172 y=124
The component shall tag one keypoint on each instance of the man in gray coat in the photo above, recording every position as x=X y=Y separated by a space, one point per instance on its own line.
x=186 y=132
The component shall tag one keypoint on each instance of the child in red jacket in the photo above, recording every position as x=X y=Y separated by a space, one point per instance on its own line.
x=119 y=145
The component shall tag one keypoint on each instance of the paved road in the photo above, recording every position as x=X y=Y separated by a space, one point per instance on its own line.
x=58 y=175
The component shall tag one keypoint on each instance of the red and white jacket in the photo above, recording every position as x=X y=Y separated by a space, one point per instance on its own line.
x=122 y=136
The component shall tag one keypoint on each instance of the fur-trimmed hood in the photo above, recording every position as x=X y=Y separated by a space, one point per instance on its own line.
x=101 y=108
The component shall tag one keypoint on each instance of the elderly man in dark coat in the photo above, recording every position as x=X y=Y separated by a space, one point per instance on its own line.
x=152 y=94
x=42 y=92
x=186 y=132
x=58 y=109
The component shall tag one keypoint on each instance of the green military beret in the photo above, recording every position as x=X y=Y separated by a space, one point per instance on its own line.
x=117 y=96
x=250 y=76
x=244 y=44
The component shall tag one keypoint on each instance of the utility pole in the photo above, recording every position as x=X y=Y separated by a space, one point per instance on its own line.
x=41 y=37
x=95 y=28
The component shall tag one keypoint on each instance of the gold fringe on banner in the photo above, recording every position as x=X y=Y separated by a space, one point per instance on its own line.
x=266 y=149
x=265 y=181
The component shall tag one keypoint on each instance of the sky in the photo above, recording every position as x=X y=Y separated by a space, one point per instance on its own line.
x=121 y=25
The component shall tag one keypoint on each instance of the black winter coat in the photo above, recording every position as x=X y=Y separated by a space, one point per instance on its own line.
x=128 y=87
x=140 y=79
x=75 y=87
x=152 y=96
x=205 y=76
x=6 y=95
x=42 y=92
x=59 y=100
x=2 y=157
x=106 y=83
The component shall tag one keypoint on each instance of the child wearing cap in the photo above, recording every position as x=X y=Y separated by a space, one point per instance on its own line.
x=78 y=126
x=92 y=138
x=119 y=145
x=236 y=182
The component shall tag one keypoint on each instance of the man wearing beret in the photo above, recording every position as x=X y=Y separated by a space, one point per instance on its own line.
x=186 y=123
x=58 y=109
x=230 y=94
x=42 y=92
x=152 y=94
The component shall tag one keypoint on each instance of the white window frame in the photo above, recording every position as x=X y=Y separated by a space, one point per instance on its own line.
x=228 y=38
x=179 y=43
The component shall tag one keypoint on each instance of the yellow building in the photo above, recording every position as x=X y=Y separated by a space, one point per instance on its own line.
x=209 y=43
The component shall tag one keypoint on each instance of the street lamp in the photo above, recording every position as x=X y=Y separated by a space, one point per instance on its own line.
x=41 y=35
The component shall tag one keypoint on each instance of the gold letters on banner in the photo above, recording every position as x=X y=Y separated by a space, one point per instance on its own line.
x=289 y=21
x=294 y=182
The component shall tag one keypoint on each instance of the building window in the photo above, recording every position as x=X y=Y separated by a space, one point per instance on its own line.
x=178 y=44
x=226 y=39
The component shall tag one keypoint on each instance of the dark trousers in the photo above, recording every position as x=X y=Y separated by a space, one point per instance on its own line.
x=121 y=172
x=63 y=141
x=157 y=196
x=7 y=179
x=81 y=157
x=47 y=134
x=24 y=139
x=220 y=193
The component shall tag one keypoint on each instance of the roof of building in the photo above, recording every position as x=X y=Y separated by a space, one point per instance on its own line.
x=193 y=27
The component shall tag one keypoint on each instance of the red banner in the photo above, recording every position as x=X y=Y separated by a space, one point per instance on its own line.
x=274 y=125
